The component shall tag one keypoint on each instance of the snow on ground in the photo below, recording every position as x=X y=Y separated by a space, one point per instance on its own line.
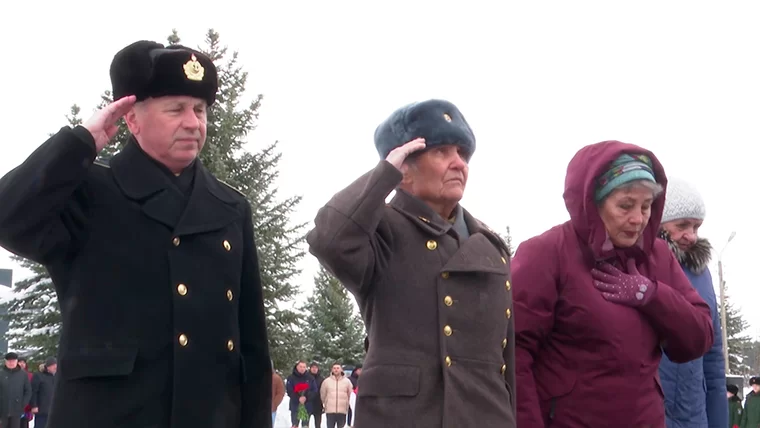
x=283 y=417
x=282 y=421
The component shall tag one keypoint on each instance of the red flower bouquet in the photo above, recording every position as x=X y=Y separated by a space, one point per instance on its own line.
x=301 y=389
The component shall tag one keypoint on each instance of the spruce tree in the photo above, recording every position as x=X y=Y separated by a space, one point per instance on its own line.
x=508 y=240
x=739 y=343
x=750 y=360
x=333 y=331
x=278 y=241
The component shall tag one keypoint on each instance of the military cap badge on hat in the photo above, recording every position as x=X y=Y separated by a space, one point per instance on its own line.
x=149 y=69
x=193 y=69
x=439 y=122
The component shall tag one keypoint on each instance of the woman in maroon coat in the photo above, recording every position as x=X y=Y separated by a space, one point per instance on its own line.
x=600 y=297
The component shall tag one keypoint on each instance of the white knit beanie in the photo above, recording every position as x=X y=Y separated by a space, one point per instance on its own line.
x=682 y=200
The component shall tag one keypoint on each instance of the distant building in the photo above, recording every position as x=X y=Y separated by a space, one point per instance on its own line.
x=6 y=279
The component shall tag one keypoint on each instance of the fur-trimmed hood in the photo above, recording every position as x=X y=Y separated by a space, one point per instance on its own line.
x=698 y=256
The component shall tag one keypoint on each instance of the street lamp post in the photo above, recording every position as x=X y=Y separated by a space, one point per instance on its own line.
x=724 y=329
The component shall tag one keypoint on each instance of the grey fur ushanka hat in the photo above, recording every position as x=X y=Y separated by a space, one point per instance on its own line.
x=439 y=122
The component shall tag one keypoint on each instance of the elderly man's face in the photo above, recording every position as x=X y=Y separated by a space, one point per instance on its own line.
x=171 y=129
x=438 y=175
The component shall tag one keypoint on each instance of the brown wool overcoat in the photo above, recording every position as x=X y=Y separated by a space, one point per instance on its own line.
x=438 y=311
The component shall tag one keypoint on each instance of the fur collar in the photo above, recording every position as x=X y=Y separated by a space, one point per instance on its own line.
x=696 y=258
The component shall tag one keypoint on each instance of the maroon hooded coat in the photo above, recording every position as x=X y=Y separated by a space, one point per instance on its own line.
x=583 y=361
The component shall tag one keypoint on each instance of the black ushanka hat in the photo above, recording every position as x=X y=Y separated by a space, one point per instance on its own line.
x=149 y=70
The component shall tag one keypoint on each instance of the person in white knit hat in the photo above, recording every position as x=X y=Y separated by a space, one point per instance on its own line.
x=694 y=391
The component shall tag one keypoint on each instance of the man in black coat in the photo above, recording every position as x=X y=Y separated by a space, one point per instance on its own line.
x=316 y=406
x=153 y=259
x=18 y=390
x=43 y=383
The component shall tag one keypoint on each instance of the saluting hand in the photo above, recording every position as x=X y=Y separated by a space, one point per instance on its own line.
x=102 y=124
x=398 y=155
x=632 y=289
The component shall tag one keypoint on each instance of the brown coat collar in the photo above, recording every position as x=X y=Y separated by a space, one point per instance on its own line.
x=424 y=217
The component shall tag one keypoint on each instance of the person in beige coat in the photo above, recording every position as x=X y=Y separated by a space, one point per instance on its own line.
x=335 y=393
x=431 y=281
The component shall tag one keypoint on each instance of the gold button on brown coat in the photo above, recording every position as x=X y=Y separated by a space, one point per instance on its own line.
x=433 y=304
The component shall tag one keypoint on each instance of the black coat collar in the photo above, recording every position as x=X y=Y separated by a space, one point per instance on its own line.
x=210 y=206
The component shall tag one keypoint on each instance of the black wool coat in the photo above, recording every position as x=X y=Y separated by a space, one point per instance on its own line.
x=160 y=293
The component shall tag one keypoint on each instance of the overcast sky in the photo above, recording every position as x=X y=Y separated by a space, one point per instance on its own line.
x=536 y=81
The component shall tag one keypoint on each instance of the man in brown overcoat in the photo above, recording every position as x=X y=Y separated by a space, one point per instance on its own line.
x=432 y=282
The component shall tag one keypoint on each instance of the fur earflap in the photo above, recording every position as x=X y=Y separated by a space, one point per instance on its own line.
x=696 y=258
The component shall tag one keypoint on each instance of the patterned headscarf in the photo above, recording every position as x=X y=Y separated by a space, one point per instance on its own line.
x=624 y=169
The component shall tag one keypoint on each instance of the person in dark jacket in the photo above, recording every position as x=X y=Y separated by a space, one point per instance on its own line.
x=751 y=413
x=4 y=400
x=600 y=298
x=317 y=398
x=734 y=406
x=19 y=390
x=153 y=258
x=301 y=387
x=694 y=396
x=354 y=378
x=28 y=415
x=42 y=392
